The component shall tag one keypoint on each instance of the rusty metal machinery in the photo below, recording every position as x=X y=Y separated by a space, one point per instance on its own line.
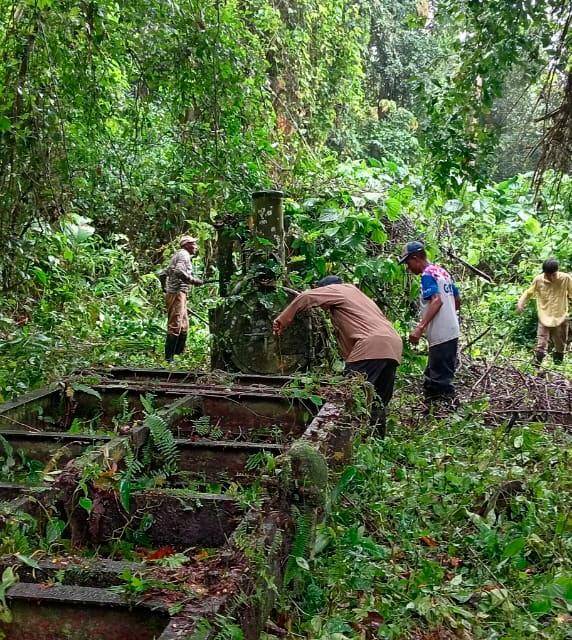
x=241 y=325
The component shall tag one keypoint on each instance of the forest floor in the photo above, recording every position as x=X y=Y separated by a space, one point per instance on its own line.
x=453 y=526
x=456 y=526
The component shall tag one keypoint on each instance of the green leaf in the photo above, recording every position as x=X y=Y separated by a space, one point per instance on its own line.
x=80 y=232
x=532 y=226
x=514 y=547
x=518 y=442
x=379 y=236
x=540 y=606
x=41 y=276
x=5 y=123
x=393 y=208
x=86 y=503
x=54 y=530
x=76 y=386
x=125 y=493
x=303 y=563
x=373 y=196
x=331 y=215
x=479 y=206
x=561 y=587
x=27 y=560
x=452 y=206
x=9 y=579
x=358 y=201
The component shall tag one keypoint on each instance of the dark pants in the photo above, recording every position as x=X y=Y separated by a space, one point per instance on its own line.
x=381 y=374
x=440 y=370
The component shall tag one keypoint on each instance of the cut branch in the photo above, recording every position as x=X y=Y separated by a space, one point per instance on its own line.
x=478 y=272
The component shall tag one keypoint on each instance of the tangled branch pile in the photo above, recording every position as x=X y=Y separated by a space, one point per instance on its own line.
x=508 y=394
x=527 y=397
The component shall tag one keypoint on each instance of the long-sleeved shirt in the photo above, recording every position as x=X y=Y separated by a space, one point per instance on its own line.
x=551 y=298
x=180 y=273
x=363 y=332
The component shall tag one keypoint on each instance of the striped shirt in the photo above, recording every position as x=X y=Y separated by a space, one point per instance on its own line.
x=180 y=273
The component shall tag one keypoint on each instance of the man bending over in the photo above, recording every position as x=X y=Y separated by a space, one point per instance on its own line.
x=368 y=342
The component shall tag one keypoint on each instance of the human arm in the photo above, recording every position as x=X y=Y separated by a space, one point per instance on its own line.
x=525 y=297
x=194 y=281
x=457 y=296
x=324 y=297
x=187 y=278
x=182 y=267
x=431 y=311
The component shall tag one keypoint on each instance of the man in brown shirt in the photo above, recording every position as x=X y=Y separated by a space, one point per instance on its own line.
x=368 y=342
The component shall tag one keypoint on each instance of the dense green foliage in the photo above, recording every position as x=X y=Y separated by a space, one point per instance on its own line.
x=451 y=525
x=487 y=41
x=123 y=125
x=145 y=114
x=87 y=303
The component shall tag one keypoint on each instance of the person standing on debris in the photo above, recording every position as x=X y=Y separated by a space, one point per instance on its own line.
x=179 y=279
x=368 y=342
x=552 y=290
x=440 y=302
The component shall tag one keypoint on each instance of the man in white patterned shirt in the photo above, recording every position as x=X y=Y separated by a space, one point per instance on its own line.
x=440 y=302
x=179 y=280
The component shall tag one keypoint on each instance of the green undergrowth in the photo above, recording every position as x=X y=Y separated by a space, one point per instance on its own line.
x=454 y=529
x=86 y=302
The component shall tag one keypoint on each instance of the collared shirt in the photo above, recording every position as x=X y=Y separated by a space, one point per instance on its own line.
x=180 y=273
x=445 y=325
x=363 y=332
x=551 y=298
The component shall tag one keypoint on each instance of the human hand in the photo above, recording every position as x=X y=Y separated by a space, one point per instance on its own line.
x=519 y=307
x=415 y=336
x=277 y=327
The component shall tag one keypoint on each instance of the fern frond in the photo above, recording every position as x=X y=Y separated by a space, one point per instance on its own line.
x=148 y=402
x=300 y=544
x=202 y=425
x=164 y=445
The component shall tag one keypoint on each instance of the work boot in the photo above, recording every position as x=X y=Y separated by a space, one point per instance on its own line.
x=539 y=357
x=181 y=342
x=170 y=347
x=558 y=357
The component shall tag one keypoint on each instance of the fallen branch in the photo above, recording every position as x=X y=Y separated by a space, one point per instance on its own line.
x=478 y=272
x=472 y=342
x=491 y=365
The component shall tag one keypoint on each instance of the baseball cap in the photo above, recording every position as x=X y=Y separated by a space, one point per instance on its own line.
x=186 y=239
x=411 y=248
x=328 y=280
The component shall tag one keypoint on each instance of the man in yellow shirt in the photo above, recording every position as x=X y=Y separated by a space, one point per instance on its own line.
x=552 y=289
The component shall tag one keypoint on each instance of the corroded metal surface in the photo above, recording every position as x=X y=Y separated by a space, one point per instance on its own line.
x=255 y=421
x=77 y=613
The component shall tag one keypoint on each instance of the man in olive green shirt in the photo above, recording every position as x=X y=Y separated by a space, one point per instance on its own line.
x=552 y=290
